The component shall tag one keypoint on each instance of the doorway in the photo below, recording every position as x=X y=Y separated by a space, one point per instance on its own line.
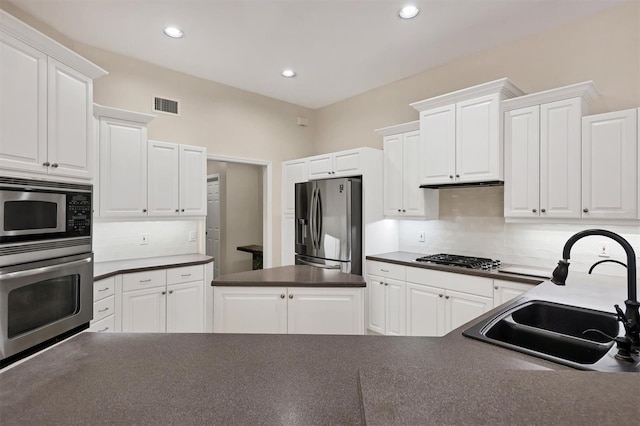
x=238 y=220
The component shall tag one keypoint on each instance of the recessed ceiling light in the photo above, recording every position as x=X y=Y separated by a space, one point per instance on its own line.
x=288 y=73
x=408 y=12
x=174 y=32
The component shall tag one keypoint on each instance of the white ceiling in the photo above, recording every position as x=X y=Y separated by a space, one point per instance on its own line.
x=339 y=48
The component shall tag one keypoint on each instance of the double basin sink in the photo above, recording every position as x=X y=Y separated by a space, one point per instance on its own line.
x=570 y=335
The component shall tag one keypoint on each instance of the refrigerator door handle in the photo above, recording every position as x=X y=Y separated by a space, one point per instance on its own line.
x=312 y=218
x=320 y=214
x=318 y=265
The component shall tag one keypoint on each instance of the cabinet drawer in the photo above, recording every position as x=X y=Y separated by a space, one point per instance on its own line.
x=451 y=281
x=185 y=274
x=103 y=308
x=146 y=279
x=105 y=325
x=103 y=288
x=386 y=270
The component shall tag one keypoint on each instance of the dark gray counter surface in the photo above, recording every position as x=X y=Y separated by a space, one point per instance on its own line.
x=103 y=270
x=409 y=259
x=291 y=276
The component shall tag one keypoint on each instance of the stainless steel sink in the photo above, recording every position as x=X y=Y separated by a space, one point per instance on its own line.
x=577 y=337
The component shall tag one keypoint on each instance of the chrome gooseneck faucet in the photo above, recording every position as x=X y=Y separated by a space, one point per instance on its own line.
x=631 y=317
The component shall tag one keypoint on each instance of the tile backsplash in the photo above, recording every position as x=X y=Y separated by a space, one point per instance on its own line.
x=121 y=240
x=472 y=223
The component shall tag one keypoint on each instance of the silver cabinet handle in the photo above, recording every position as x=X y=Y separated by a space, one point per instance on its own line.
x=104 y=289
x=54 y=165
x=384 y=270
x=145 y=281
x=103 y=310
x=291 y=296
x=282 y=296
x=103 y=330
x=185 y=275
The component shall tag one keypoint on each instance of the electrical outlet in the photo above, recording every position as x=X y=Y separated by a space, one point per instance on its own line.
x=421 y=236
x=192 y=236
x=144 y=239
x=603 y=249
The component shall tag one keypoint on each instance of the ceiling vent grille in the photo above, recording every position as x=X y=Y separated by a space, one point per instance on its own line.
x=166 y=106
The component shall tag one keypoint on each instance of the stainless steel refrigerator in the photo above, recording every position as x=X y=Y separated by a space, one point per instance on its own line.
x=329 y=224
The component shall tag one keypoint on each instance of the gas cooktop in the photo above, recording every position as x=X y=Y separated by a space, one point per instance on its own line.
x=461 y=261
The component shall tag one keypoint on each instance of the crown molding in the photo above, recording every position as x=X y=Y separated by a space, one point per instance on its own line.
x=586 y=90
x=122 y=114
x=399 y=128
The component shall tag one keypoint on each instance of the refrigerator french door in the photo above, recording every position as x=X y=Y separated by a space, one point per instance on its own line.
x=328 y=217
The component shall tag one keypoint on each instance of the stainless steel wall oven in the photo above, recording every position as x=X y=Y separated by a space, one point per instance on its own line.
x=46 y=264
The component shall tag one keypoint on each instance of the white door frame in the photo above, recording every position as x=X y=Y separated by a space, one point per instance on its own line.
x=267 y=208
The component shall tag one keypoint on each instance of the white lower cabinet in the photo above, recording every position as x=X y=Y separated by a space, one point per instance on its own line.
x=505 y=291
x=294 y=310
x=425 y=311
x=386 y=298
x=166 y=300
x=103 y=306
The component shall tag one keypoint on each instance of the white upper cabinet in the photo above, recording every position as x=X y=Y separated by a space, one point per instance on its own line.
x=610 y=165
x=461 y=134
x=193 y=180
x=163 y=188
x=46 y=98
x=123 y=162
x=294 y=171
x=403 y=196
x=543 y=145
x=337 y=164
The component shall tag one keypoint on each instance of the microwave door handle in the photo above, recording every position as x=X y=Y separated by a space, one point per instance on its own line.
x=318 y=265
x=44 y=270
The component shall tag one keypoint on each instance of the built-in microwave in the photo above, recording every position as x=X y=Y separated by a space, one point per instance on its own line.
x=43 y=220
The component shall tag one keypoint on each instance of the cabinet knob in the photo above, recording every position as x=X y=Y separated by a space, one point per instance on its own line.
x=164 y=292
x=399 y=210
x=457 y=176
x=170 y=291
x=440 y=295
x=450 y=176
x=543 y=210
x=446 y=297
x=144 y=210
x=291 y=296
x=585 y=210
x=534 y=210
x=496 y=287
x=182 y=210
x=386 y=283
x=54 y=165
x=328 y=173
x=282 y=296
x=404 y=211
x=46 y=164
x=177 y=210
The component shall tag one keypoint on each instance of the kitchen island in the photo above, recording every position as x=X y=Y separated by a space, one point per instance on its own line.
x=304 y=379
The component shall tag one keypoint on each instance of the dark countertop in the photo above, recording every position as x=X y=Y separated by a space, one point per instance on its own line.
x=302 y=379
x=103 y=270
x=291 y=276
x=253 y=249
x=409 y=259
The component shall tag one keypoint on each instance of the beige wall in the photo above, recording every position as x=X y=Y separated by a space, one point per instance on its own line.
x=604 y=48
x=226 y=120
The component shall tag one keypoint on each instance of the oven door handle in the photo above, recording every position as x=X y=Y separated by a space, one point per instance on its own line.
x=43 y=270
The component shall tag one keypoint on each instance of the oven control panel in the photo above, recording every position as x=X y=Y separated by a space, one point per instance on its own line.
x=79 y=214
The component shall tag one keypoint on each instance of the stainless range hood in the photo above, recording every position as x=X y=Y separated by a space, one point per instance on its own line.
x=464 y=184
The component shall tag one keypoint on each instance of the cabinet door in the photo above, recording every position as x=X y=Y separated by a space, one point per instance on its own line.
x=288 y=241
x=522 y=162
x=461 y=308
x=346 y=164
x=560 y=147
x=412 y=195
x=185 y=307
x=505 y=291
x=250 y=310
x=478 y=150
x=609 y=165
x=393 y=175
x=193 y=181
x=70 y=135
x=438 y=145
x=376 y=304
x=292 y=172
x=163 y=179
x=395 y=307
x=326 y=311
x=123 y=168
x=144 y=310
x=425 y=311
x=320 y=166
x=23 y=106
